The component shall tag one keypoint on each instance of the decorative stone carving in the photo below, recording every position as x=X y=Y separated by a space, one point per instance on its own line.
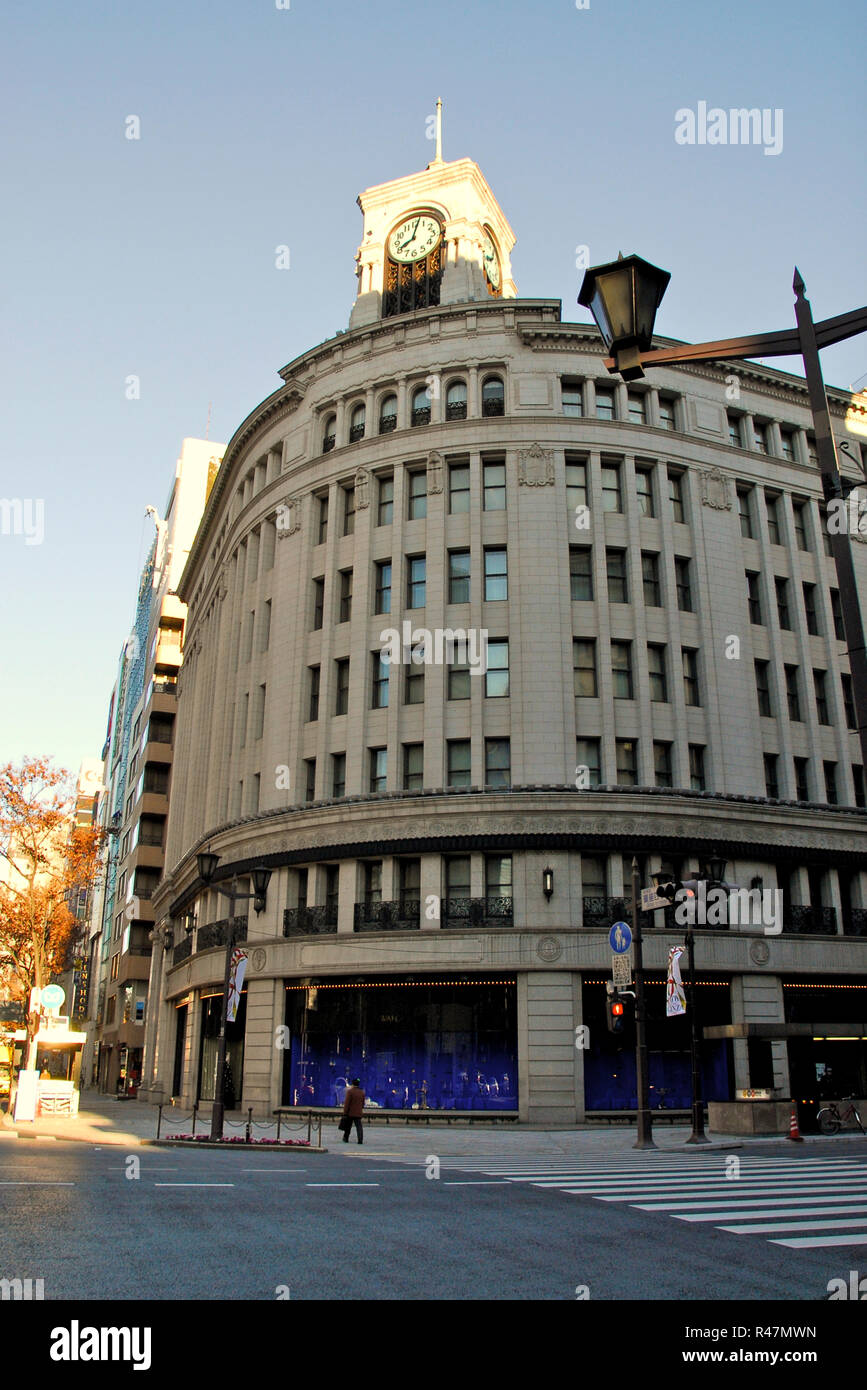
x=549 y=948
x=362 y=489
x=294 y=392
x=760 y=952
x=288 y=517
x=435 y=472
x=536 y=467
x=258 y=959
x=715 y=491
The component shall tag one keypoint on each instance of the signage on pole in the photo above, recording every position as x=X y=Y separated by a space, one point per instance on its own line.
x=650 y=900
x=675 y=998
x=237 y=971
x=53 y=996
x=620 y=938
x=621 y=971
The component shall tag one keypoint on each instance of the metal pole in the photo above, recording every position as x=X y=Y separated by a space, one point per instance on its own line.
x=698 y=1135
x=644 y=1120
x=841 y=547
x=279 y=1118
x=219 y=1106
x=195 y=1112
x=159 y=1120
x=249 y=1132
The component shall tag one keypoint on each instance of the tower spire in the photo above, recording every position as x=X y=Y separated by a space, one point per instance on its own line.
x=438 y=157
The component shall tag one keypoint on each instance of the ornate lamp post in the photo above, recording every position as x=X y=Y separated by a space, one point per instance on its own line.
x=623 y=297
x=207 y=865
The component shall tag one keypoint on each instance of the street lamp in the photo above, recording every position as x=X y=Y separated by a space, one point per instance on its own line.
x=623 y=297
x=207 y=866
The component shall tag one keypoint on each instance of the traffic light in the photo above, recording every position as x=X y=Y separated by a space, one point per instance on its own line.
x=614 y=1009
x=667 y=887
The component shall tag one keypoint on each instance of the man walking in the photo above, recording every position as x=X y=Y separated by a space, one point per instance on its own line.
x=353 y=1107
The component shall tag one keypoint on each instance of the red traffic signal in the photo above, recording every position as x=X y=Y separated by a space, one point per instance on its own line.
x=614 y=1009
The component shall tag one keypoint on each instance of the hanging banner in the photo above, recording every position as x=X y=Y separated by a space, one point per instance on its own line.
x=675 y=998
x=237 y=971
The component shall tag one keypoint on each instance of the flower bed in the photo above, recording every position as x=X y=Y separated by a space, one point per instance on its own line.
x=272 y=1143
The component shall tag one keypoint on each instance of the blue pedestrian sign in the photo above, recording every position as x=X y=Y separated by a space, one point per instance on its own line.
x=620 y=938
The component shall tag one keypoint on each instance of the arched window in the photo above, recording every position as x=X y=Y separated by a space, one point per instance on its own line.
x=388 y=415
x=456 y=401
x=356 y=424
x=329 y=434
x=493 y=396
x=421 y=406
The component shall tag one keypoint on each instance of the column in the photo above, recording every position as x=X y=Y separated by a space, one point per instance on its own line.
x=549 y=1077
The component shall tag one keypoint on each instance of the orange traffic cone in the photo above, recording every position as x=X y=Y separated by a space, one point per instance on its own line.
x=794 y=1132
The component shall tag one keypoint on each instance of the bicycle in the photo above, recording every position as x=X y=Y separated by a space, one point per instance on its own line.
x=830 y=1120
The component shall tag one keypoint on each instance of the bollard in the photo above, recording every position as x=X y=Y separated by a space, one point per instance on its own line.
x=249 y=1133
x=319 y=1140
x=195 y=1111
x=159 y=1120
x=309 y=1124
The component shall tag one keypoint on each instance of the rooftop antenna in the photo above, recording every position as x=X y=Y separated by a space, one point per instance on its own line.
x=438 y=157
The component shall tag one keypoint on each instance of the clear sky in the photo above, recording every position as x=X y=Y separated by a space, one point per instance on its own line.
x=258 y=127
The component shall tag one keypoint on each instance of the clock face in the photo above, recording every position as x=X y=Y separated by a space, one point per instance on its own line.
x=414 y=239
x=492 y=261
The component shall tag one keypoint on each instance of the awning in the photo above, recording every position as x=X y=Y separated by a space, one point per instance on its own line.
x=54 y=1037
x=843 y=1031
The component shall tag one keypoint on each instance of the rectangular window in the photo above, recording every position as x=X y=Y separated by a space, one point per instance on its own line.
x=265 y=627
x=656 y=669
x=594 y=882
x=417 y=495
x=345 y=606
x=458 y=754
x=611 y=498
x=691 y=692
x=372 y=882
x=410 y=884
x=745 y=512
x=782 y=589
x=348 y=511
x=576 y=483
x=459 y=488
x=760 y=437
x=696 y=767
x=787 y=442
x=310 y=779
x=570 y=391
x=667 y=417
x=848 y=700
x=626 y=750
x=415 y=581
x=754 y=602
x=830 y=783
x=763 y=689
x=318 y=603
x=615 y=561
x=810 y=609
x=662 y=764
x=683 y=585
x=459 y=679
x=413 y=767
x=498 y=878
x=644 y=491
x=820 y=688
x=858 y=783
x=459 y=576
x=338 y=774
x=605 y=400
x=341 y=690
x=382 y=595
x=259 y=713
x=497 y=674
x=332 y=891
x=621 y=670
x=588 y=772
x=494 y=486
x=792 y=696
x=584 y=666
x=313 y=702
x=413 y=691
x=496 y=576
x=637 y=407
x=650 y=579
x=322 y=529
x=675 y=494
x=498 y=762
x=837 y=616
x=378 y=769
x=772 y=506
x=772 y=786
x=458 y=876
x=581 y=573
x=385 y=502
x=380 y=673
x=244 y=710
x=812 y=451
x=801 y=789
x=800 y=513
x=734 y=424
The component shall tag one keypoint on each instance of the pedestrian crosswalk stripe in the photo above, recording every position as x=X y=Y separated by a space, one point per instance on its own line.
x=795 y=1226
x=815 y=1196
x=815 y=1242
x=767 y=1208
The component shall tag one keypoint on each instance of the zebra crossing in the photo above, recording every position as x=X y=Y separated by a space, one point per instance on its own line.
x=801 y=1203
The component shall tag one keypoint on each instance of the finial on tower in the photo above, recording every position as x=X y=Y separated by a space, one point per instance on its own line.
x=798 y=284
x=438 y=157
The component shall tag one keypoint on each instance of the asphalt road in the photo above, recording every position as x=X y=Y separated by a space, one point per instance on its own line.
x=357 y=1224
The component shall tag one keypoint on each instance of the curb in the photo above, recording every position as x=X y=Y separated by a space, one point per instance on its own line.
x=229 y=1148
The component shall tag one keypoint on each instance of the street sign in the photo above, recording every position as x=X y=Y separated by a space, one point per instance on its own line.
x=621 y=971
x=53 y=996
x=620 y=938
x=650 y=900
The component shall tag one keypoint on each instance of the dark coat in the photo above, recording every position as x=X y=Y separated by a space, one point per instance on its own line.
x=353 y=1103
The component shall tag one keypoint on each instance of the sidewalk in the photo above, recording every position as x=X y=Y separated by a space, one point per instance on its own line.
x=105 y=1120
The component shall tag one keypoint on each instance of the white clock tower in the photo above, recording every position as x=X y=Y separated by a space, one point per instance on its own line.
x=436 y=237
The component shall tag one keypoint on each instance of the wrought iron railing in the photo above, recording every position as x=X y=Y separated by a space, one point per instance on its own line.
x=328 y=443
x=309 y=921
x=387 y=424
x=400 y=915
x=217 y=933
x=356 y=432
x=601 y=913
x=810 y=921
x=476 y=912
x=857 y=924
x=421 y=416
x=496 y=406
x=456 y=410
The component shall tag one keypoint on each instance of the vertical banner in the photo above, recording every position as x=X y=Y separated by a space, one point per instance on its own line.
x=675 y=998
x=237 y=971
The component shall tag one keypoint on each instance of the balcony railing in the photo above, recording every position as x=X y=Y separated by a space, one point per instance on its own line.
x=421 y=416
x=182 y=950
x=309 y=921
x=601 y=913
x=328 y=443
x=402 y=915
x=810 y=921
x=496 y=406
x=456 y=410
x=857 y=924
x=476 y=912
x=217 y=933
x=387 y=424
x=356 y=432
